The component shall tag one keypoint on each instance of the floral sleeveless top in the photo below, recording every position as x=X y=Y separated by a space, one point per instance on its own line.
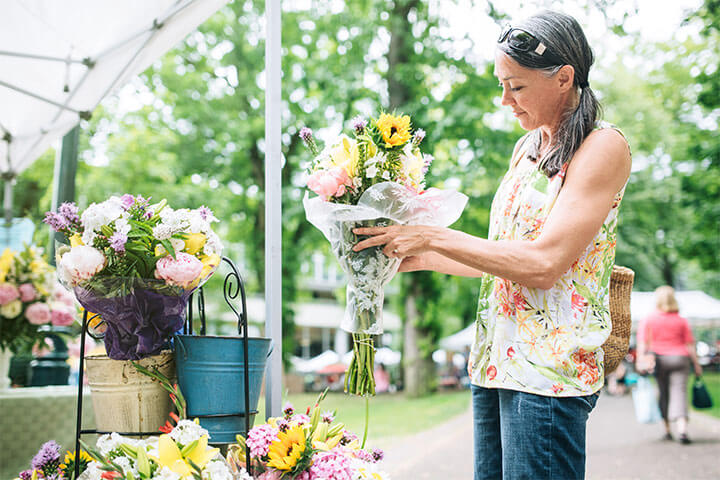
x=546 y=342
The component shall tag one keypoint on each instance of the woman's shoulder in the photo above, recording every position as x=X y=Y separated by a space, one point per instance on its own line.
x=604 y=156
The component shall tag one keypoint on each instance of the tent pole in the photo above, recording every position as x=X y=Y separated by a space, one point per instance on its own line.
x=8 y=199
x=273 y=208
x=64 y=177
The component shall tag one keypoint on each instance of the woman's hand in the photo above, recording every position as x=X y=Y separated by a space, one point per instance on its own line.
x=400 y=240
x=698 y=370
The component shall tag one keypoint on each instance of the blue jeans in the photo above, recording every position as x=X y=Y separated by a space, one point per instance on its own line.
x=520 y=435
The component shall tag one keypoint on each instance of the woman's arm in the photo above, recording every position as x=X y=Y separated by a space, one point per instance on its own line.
x=598 y=171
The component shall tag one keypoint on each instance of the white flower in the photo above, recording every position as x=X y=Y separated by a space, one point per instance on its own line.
x=386 y=175
x=217 y=470
x=81 y=263
x=367 y=471
x=109 y=442
x=165 y=474
x=99 y=214
x=121 y=224
x=371 y=172
x=127 y=466
x=357 y=182
x=187 y=431
x=92 y=472
x=213 y=245
x=162 y=231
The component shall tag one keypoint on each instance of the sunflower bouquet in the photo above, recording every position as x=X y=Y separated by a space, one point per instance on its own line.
x=374 y=178
x=311 y=446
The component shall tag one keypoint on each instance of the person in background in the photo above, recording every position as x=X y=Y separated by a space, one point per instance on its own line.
x=667 y=336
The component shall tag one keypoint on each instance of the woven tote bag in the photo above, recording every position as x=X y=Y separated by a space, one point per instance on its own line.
x=616 y=346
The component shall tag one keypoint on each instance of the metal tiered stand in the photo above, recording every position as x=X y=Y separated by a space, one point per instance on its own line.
x=232 y=286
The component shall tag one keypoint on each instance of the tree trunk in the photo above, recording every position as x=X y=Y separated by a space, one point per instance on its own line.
x=418 y=372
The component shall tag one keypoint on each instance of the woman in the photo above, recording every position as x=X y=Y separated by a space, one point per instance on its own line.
x=667 y=335
x=536 y=365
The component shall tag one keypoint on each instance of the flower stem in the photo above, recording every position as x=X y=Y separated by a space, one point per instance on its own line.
x=367 y=419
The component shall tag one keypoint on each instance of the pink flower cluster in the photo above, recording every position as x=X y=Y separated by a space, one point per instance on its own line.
x=180 y=271
x=260 y=438
x=332 y=465
x=38 y=313
x=27 y=292
x=81 y=263
x=8 y=293
x=329 y=183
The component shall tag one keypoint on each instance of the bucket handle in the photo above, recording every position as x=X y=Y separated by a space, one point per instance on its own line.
x=182 y=347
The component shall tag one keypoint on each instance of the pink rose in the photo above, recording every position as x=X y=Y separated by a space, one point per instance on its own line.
x=80 y=264
x=329 y=183
x=27 y=292
x=38 y=313
x=181 y=271
x=61 y=315
x=8 y=293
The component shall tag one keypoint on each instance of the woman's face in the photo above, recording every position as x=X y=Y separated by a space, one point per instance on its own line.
x=536 y=99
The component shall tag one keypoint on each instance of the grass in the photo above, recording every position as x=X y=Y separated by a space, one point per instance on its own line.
x=712 y=382
x=391 y=415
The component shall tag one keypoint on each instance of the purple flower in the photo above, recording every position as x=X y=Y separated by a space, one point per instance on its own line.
x=205 y=212
x=419 y=136
x=378 y=454
x=26 y=474
x=301 y=419
x=118 y=241
x=288 y=410
x=47 y=457
x=328 y=417
x=127 y=201
x=359 y=124
x=348 y=437
x=283 y=425
x=306 y=134
x=70 y=212
x=57 y=222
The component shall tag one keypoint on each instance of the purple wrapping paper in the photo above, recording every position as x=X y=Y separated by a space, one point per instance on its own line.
x=140 y=321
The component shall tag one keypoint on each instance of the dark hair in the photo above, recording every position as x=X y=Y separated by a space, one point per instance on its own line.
x=564 y=37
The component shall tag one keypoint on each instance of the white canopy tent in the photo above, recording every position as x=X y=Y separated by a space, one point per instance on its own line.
x=58 y=60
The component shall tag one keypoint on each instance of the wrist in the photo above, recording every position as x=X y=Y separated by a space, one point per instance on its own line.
x=435 y=238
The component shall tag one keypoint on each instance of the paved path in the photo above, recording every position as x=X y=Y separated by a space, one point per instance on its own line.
x=618 y=448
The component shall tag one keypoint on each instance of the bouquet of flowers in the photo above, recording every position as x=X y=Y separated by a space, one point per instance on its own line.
x=376 y=178
x=47 y=464
x=135 y=264
x=181 y=454
x=308 y=446
x=29 y=297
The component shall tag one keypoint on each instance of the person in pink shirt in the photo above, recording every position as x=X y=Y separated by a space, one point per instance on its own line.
x=667 y=336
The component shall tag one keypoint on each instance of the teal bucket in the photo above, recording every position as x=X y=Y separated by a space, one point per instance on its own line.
x=211 y=375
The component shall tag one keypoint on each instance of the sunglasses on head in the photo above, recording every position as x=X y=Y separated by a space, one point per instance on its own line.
x=523 y=41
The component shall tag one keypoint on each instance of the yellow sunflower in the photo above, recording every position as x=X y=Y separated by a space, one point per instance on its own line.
x=395 y=130
x=285 y=452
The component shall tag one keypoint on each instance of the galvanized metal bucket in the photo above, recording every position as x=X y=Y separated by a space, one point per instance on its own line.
x=125 y=400
x=211 y=372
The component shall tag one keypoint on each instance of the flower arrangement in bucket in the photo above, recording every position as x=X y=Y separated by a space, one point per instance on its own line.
x=29 y=297
x=311 y=446
x=375 y=178
x=135 y=264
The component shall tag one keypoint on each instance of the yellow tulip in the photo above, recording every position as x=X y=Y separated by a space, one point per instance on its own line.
x=76 y=240
x=194 y=242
